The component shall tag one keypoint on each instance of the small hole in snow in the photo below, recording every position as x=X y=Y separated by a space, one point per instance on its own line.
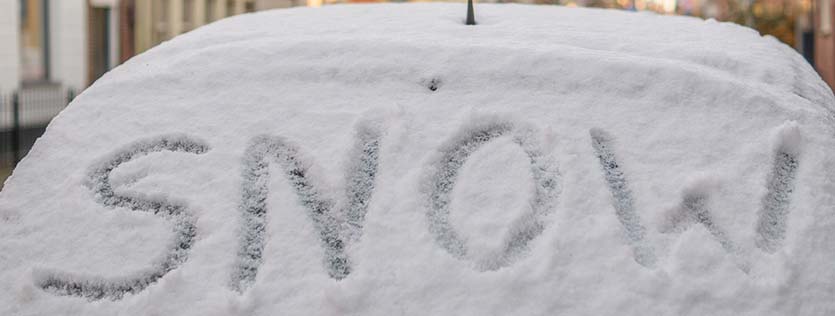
x=434 y=84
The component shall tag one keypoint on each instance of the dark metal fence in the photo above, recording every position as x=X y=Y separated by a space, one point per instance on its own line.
x=24 y=115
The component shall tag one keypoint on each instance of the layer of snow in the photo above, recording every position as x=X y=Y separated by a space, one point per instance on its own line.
x=387 y=159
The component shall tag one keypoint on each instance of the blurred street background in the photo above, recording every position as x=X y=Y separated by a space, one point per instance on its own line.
x=51 y=50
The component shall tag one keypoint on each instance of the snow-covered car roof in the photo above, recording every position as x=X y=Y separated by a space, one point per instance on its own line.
x=388 y=159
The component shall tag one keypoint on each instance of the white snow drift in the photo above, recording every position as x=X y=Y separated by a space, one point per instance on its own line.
x=388 y=159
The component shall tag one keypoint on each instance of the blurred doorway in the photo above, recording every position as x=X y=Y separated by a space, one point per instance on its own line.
x=98 y=51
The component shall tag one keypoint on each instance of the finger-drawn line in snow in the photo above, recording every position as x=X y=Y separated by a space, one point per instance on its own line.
x=622 y=198
x=771 y=226
x=693 y=209
x=335 y=227
x=443 y=175
x=184 y=228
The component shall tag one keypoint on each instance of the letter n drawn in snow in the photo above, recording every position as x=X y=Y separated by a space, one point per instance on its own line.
x=335 y=227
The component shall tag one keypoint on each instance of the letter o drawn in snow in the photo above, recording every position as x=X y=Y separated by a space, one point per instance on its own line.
x=443 y=174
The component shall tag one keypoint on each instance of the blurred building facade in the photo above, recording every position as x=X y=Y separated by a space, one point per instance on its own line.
x=146 y=23
x=71 y=43
x=10 y=47
x=43 y=42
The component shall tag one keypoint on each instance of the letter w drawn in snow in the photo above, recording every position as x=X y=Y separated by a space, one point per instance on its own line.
x=334 y=227
x=773 y=213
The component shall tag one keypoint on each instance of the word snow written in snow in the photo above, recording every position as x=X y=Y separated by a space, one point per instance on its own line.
x=339 y=222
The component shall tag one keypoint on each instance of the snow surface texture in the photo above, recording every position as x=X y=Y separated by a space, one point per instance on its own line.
x=388 y=159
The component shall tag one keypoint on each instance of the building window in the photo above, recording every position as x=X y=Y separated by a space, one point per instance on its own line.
x=230 y=7
x=160 y=20
x=34 y=40
x=188 y=15
x=211 y=10
x=98 y=42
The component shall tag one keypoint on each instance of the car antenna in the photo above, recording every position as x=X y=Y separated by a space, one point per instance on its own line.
x=470 y=14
